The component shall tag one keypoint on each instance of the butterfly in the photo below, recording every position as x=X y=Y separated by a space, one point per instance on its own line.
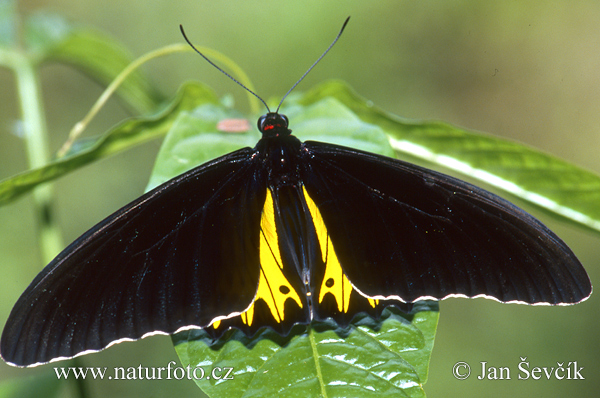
x=284 y=233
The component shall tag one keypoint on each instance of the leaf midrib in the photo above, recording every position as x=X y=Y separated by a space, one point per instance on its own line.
x=313 y=346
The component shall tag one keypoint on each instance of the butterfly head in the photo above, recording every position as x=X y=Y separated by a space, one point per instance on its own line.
x=273 y=125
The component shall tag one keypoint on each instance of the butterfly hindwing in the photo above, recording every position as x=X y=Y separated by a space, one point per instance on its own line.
x=286 y=249
x=401 y=231
x=301 y=277
x=181 y=255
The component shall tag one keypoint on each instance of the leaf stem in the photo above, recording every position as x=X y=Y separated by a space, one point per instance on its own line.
x=36 y=141
x=79 y=127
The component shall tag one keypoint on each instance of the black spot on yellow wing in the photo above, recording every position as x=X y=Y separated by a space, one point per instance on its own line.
x=273 y=287
x=335 y=282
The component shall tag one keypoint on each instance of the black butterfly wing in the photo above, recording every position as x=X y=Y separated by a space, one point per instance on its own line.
x=181 y=255
x=404 y=232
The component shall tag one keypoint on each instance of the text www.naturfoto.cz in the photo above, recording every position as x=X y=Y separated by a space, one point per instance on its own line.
x=140 y=372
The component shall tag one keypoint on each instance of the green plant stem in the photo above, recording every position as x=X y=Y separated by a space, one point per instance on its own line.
x=36 y=141
x=238 y=72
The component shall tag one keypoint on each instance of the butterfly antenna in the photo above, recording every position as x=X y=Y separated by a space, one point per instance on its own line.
x=225 y=73
x=316 y=62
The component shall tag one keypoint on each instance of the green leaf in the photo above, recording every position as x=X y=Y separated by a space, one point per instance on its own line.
x=541 y=179
x=126 y=135
x=370 y=358
x=328 y=120
x=50 y=37
x=195 y=139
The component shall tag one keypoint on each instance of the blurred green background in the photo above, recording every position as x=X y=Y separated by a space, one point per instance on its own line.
x=524 y=70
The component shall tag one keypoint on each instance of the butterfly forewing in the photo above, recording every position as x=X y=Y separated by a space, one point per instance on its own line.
x=401 y=231
x=175 y=257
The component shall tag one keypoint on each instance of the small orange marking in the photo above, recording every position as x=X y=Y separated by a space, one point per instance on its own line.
x=233 y=125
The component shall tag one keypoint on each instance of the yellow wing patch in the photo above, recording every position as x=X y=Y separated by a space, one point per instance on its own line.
x=334 y=281
x=273 y=287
